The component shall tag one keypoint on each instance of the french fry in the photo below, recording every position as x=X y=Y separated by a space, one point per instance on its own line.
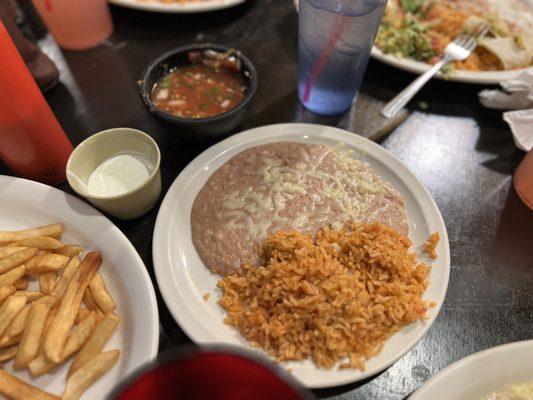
x=84 y=377
x=54 y=230
x=101 y=295
x=87 y=269
x=51 y=315
x=16 y=389
x=9 y=310
x=7 y=341
x=47 y=282
x=68 y=308
x=29 y=343
x=69 y=250
x=31 y=295
x=5 y=292
x=40 y=365
x=16 y=259
x=96 y=342
x=82 y=314
x=79 y=335
x=89 y=301
x=40 y=242
x=7 y=251
x=8 y=353
x=54 y=341
x=47 y=324
x=46 y=263
x=9 y=278
x=99 y=316
x=66 y=276
x=22 y=283
x=50 y=301
x=19 y=322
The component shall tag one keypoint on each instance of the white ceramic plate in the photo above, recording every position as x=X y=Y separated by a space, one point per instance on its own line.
x=480 y=374
x=25 y=204
x=183 y=278
x=177 y=8
x=417 y=67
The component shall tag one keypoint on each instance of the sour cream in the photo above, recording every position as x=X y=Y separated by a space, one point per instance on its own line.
x=118 y=175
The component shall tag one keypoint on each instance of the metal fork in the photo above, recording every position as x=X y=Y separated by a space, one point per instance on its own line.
x=459 y=49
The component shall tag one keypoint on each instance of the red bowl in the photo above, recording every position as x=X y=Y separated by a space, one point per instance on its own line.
x=211 y=375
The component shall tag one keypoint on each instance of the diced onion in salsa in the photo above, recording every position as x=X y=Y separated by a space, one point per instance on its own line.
x=198 y=91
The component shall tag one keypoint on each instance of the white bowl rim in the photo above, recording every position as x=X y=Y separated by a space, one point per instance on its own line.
x=421 y=393
x=94 y=137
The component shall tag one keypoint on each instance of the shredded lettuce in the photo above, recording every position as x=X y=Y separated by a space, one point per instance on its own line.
x=411 y=5
x=410 y=39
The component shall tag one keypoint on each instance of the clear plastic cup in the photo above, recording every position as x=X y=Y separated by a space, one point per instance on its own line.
x=76 y=24
x=335 y=39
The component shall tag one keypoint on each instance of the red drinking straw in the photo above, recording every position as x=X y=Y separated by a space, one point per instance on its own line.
x=320 y=63
x=48 y=5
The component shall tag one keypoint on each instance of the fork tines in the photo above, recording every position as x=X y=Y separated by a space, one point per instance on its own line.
x=469 y=41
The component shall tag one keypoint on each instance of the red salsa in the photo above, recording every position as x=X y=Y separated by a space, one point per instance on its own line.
x=198 y=91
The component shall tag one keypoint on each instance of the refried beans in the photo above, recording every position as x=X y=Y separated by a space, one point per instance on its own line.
x=283 y=186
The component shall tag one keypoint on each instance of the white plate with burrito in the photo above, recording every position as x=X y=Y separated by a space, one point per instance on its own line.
x=513 y=57
x=503 y=52
x=190 y=290
x=25 y=204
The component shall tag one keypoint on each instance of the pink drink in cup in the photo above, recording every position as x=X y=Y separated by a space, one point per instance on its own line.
x=76 y=24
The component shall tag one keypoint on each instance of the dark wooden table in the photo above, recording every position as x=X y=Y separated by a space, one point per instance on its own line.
x=463 y=153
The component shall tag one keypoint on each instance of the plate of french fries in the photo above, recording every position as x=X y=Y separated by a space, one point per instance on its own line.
x=77 y=308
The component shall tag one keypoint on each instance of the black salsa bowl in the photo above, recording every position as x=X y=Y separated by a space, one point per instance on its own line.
x=215 y=125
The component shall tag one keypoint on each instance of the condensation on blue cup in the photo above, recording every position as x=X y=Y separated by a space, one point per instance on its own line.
x=335 y=39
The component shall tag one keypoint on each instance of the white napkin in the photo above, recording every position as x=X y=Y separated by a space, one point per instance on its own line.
x=521 y=123
x=517 y=94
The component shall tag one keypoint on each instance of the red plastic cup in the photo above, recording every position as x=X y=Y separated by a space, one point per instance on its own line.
x=211 y=375
x=32 y=143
